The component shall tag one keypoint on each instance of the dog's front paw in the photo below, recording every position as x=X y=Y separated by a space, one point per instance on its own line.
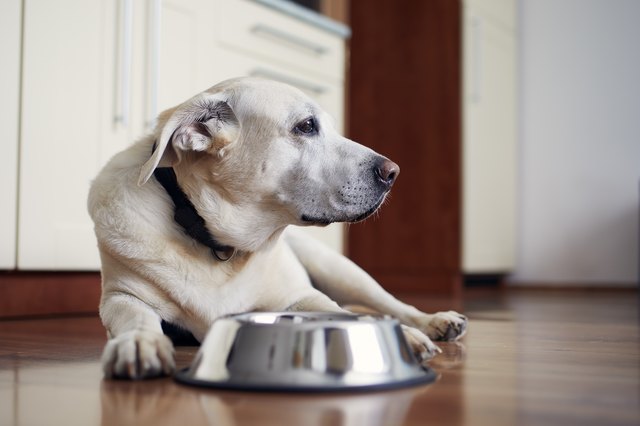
x=444 y=325
x=422 y=347
x=138 y=354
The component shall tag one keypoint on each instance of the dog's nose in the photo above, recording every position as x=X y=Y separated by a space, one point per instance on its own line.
x=387 y=171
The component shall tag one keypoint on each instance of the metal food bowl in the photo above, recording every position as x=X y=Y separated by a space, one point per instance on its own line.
x=306 y=351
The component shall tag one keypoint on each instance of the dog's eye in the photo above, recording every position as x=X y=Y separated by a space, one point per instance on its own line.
x=307 y=126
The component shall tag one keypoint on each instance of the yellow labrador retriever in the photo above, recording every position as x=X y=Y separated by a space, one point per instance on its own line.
x=192 y=220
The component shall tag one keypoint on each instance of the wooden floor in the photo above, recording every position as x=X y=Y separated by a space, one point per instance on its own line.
x=530 y=358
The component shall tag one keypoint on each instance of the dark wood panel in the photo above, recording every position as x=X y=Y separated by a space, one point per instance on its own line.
x=48 y=293
x=404 y=89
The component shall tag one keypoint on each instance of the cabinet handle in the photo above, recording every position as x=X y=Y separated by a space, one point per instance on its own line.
x=124 y=72
x=155 y=29
x=274 y=33
x=299 y=83
x=476 y=59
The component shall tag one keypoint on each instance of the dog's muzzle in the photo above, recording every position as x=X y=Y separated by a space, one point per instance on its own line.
x=359 y=198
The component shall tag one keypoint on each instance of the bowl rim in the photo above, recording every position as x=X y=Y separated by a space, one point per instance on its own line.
x=317 y=319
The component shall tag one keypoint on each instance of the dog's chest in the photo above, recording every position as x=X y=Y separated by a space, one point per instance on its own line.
x=269 y=280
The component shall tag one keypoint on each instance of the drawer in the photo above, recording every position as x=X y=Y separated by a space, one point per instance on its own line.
x=257 y=30
x=328 y=92
x=500 y=12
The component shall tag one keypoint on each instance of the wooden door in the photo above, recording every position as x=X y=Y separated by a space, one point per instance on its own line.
x=405 y=103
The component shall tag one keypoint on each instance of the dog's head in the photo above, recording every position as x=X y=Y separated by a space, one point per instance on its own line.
x=263 y=155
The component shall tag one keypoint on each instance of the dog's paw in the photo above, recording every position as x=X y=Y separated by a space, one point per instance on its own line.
x=444 y=325
x=138 y=354
x=422 y=347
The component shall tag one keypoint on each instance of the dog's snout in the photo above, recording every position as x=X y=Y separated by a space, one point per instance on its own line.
x=387 y=171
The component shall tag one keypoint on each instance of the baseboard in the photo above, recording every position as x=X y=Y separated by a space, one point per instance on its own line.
x=569 y=285
x=48 y=293
x=495 y=280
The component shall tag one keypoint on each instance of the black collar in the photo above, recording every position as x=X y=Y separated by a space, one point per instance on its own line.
x=186 y=215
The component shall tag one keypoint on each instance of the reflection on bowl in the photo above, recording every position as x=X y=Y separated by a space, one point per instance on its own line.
x=310 y=351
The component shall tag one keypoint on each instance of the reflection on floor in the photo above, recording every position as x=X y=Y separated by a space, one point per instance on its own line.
x=530 y=357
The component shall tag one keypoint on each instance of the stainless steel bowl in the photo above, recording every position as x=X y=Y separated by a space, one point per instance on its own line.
x=309 y=351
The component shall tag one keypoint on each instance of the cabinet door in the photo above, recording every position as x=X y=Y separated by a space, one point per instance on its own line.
x=72 y=95
x=489 y=160
x=10 y=19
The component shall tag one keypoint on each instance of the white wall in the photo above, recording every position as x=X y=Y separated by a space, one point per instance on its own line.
x=580 y=141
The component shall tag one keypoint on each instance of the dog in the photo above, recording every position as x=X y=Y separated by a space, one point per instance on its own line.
x=193 y=224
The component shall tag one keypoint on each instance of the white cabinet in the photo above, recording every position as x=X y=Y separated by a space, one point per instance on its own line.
x=10 y=30
x=96 y=73
x=489 y=136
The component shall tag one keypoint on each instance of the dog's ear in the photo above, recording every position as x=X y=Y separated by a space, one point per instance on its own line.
x=205 y=123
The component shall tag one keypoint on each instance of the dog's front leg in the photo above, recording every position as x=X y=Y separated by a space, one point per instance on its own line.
x=316 y=301
x=346 y=283
x=137 y=347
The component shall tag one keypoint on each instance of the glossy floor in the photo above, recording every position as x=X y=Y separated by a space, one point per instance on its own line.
x=530 y=357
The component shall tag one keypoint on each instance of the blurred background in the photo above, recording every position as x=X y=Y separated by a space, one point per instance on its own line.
x=515 y=123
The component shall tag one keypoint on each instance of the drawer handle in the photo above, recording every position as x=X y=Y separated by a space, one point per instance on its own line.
x=477 y=38
x=155 y=31
x=125 y=50
x=299 y=83
x=265 y=30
